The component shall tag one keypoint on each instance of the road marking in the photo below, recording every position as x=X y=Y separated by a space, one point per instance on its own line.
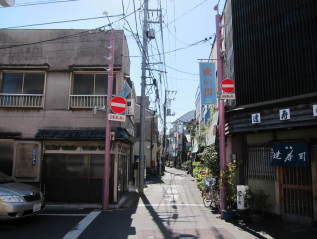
x=82 y=225
x=171 y=204
x=62 y=215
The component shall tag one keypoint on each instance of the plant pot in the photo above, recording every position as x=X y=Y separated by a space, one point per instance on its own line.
x=228 y=215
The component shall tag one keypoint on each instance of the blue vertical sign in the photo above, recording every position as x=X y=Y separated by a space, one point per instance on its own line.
x=125 y=90
x=208 y=88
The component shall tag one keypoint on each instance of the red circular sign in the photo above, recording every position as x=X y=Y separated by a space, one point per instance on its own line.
x=227 y=85
x=118 y=104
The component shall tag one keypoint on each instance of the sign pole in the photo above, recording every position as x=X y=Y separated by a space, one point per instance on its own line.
x=106 y=177
x=222 y=146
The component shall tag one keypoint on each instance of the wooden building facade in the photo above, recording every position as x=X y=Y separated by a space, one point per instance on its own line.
x=275 y=71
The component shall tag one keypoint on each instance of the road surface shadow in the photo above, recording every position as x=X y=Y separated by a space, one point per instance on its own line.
x=276 y=228
x=114 y=224
x=166 y=232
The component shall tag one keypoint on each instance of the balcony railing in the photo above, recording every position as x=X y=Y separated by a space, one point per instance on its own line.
x=21 y=100
x=87 y=101
x=91 y=101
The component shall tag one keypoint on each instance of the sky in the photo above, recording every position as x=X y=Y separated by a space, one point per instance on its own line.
x=184 y=22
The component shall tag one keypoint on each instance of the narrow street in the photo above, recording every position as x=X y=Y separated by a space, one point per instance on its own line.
x=171 y=208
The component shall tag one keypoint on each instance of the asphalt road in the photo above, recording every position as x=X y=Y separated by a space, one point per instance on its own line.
x=47 y=225
x=170 y=208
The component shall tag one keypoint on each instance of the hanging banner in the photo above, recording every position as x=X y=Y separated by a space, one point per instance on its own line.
x=125 y=90
x=292 y=154
x=208 y=90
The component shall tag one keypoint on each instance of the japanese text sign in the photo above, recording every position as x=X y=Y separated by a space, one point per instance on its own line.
x=208 y=88
x=256 y=118
x=292 y=154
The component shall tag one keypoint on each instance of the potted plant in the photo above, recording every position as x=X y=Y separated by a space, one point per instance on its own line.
x=257 y=202
x=228 y=181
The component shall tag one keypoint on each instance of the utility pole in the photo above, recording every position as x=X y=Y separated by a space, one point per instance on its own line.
x=221 y=113
x=106 y=175
x=164 y=126
x=167 y=99
x=142 y=107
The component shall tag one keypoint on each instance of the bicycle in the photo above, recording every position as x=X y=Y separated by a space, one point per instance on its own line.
x=210 y=194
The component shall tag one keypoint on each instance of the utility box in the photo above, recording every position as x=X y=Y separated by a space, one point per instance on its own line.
x=151 y=34
x=241 y=196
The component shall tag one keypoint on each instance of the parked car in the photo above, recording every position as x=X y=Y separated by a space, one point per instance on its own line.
x=18 y=200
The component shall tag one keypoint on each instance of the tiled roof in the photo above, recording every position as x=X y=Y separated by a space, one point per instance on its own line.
x=187 y=117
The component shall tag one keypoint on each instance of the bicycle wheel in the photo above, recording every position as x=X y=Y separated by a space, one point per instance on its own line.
x=215 y=201
x=206 y=199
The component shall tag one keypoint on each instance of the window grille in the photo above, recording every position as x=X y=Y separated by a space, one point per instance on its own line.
x=258 y=163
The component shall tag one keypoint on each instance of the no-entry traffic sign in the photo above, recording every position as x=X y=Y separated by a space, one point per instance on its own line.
x=118 y=104
x=227 y=85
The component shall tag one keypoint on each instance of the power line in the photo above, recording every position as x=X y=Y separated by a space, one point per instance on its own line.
x=57 y=22
x=190 y=45
x=136 y=22
x=67 y=36
x=40 y=3
x=184 y=72
x=181 y=48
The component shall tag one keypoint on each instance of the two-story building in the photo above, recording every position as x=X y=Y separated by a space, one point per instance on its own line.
x=50 y=135
x=270 y=52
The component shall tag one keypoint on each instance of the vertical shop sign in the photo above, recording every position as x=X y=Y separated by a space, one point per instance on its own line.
x=208 y=90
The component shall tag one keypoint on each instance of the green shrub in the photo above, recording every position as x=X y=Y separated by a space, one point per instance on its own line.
x=257 y=201
x=228 y=181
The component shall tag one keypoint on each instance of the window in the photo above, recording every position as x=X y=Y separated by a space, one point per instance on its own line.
x=23 y=83
x=258 y=163
x=91 y=84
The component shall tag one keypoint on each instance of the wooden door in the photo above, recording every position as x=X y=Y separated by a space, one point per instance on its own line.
x=296 y=196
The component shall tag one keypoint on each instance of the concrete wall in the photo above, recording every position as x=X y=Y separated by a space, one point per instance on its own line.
x=88 y=48
x=28 y=122
x=85 y=50
x=147 y=152
x=57 y=90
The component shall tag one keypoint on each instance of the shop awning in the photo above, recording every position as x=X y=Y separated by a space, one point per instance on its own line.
x=10 y=135
x=82 y=134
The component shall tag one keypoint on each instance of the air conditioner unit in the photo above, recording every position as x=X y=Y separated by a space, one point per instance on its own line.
x=130 y=107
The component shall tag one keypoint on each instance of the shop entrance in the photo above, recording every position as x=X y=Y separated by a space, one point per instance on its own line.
x=74 y=178
x=296 y=193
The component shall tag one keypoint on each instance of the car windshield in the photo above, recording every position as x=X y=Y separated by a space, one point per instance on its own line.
x=5 y=178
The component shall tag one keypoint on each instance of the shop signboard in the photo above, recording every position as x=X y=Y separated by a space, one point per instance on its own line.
x=290 y=154
x=208 y=87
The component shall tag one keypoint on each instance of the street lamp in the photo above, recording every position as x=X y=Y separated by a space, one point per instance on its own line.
x=7 y=3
